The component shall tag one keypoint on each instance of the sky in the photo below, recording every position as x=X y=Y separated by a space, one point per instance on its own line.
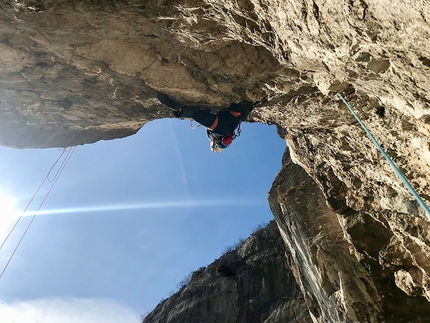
x=127 y=219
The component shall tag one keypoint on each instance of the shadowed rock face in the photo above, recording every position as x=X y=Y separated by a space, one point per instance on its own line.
x=74 y=72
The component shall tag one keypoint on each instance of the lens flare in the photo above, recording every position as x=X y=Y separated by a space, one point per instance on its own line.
x=153 y=205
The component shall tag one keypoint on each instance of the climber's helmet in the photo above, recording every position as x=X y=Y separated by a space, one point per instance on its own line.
x=218 y=144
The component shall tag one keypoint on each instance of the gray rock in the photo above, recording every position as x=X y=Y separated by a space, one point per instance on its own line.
x=74 y=72
x=251 y=283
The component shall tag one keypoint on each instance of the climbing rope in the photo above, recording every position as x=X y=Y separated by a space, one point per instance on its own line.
x=69 y=152
x=194 y=127
x=398 y=172
x=37 y=191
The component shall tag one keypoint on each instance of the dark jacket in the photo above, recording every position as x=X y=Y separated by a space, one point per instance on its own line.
x=226 y=121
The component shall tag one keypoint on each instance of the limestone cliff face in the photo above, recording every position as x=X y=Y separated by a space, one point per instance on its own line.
x=251 y=283
x=351 y=267
x=74 y=72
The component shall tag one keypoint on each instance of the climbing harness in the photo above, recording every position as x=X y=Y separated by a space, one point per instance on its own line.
x=67 y=153
x=399 y=173
x=220 y=142
x=235 y=134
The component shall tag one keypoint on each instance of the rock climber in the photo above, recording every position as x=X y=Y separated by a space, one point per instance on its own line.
x=221 y=128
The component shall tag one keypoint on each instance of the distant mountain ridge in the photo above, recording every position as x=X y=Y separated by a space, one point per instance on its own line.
x=249 y=284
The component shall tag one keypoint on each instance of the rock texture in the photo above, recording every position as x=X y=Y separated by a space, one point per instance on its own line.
x=77 y=71
x=251 y=283
x=346 y=264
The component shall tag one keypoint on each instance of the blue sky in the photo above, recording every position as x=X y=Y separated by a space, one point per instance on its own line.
x=128 y=219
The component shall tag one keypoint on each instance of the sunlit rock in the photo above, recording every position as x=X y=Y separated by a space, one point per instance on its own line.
x=74 y=72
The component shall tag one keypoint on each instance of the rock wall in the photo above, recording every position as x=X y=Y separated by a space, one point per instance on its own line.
x=251 y=283
x=350 y=267
x=74 y=72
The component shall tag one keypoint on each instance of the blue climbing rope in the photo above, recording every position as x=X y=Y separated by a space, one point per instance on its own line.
x=399 y=173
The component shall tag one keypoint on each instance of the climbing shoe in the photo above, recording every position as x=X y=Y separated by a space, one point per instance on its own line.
x=178 y=113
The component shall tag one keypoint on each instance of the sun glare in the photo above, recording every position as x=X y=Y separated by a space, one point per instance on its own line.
x=152 y=205
x=8 y=212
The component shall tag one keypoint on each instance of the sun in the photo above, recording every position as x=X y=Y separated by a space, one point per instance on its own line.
x=8 y=212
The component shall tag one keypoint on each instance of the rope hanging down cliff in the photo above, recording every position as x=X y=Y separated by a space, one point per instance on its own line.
x=68 y=152
x=398 y=172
